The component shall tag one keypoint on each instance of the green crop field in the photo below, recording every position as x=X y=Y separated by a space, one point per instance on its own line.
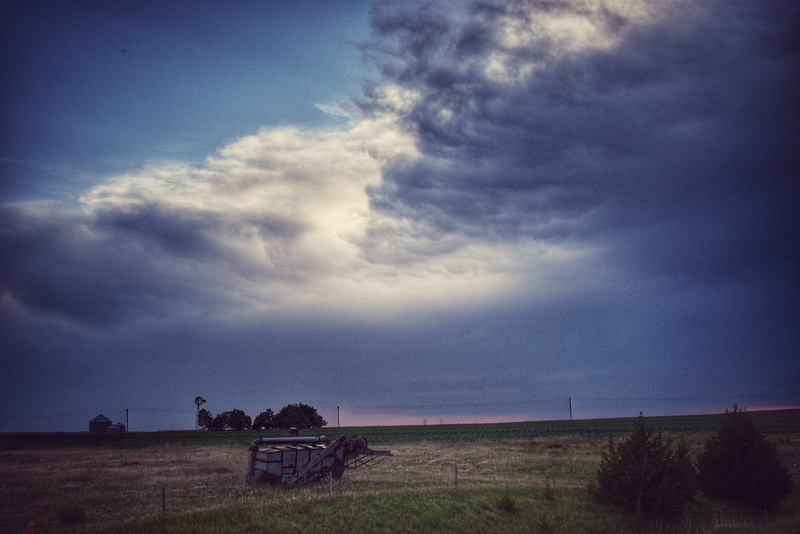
x=511 y=477
x=770 y=422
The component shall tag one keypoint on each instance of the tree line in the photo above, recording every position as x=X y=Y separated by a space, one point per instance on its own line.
x=292 y=415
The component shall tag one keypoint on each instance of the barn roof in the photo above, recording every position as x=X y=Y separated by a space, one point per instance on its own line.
x=100 y=419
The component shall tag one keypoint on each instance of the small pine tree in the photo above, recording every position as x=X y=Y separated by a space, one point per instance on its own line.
x=644 y=475
x=739 y=464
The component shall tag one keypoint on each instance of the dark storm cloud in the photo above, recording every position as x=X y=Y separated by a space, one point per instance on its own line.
x=118 y=264
x=64 y=264
x=670 y=147
x=186 y=232
x=679 y=121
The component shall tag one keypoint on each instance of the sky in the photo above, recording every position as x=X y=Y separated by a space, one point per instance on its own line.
x=397 y=212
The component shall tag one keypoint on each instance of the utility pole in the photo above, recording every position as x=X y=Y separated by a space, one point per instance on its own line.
x=570 y=408
x=127 y=424
x=338 y=421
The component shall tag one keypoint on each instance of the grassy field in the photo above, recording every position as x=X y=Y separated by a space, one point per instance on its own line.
x=770 y=422
x=535 y=481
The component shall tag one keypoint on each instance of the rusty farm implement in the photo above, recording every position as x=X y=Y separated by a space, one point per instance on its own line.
x=299 y=460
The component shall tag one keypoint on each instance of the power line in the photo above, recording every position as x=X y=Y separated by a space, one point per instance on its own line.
x=712 y=397
x=92 y=414
x=373 y=407
x=562 y=399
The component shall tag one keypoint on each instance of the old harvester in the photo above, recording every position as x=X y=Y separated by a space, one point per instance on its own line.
x=298 y=460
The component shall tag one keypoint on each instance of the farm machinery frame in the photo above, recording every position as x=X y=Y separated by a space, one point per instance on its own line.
x=300 y=460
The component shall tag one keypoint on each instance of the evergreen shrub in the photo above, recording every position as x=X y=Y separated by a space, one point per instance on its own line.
x=644 y=474
x=739 y=464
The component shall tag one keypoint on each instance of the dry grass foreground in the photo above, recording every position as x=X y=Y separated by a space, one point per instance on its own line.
x=94 y=489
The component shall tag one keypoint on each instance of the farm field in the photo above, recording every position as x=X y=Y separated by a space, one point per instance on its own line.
x=534 y=481
x=770 y=422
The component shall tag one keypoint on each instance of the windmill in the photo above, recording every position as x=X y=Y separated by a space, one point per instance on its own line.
x=198 y=401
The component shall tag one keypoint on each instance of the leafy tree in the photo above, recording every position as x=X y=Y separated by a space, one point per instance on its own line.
x=220 y=422
x=204 y=419
x=232 y=420
x=238 y=420
x=739 y=464
x=644 y=475
x=300 y=416
x=264 y=420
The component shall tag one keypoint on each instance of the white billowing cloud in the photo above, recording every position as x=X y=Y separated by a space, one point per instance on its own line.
x=572 y=28
x=287 y=215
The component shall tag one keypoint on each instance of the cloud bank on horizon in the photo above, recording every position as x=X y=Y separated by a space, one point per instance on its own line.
x=532 y=201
